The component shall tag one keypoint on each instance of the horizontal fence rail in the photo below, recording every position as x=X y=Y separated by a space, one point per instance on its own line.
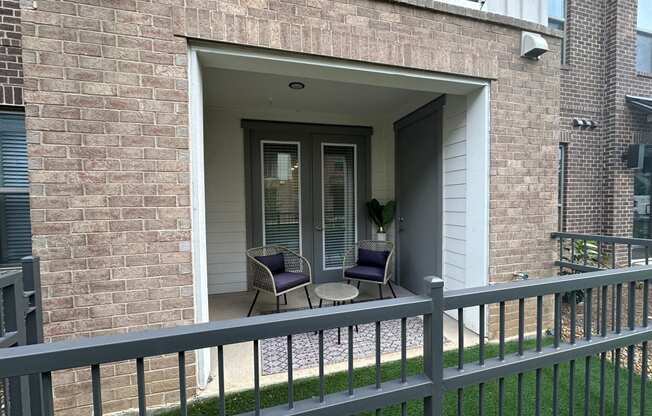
x=535 y=306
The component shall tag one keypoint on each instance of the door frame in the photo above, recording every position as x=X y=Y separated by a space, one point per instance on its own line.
x=308 y=132
x=434 y=106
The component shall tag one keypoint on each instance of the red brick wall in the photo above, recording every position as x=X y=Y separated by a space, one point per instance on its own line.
x=11 y=68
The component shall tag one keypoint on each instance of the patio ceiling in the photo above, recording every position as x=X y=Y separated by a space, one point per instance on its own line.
x=241 y=89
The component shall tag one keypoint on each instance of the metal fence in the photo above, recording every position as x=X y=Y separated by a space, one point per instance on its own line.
x=20 y=325
x=429 y=385
x=587 y=252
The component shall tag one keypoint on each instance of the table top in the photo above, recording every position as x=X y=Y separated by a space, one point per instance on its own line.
x=336 y=291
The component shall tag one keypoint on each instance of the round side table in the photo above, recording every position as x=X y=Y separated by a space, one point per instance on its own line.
x=338 y=293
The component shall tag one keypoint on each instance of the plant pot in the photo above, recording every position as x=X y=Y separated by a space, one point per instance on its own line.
x=381 y=236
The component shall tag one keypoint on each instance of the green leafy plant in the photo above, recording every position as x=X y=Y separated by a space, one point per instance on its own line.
x=381 y=215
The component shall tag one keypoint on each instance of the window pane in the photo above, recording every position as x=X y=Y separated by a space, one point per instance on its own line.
x=645 y=15
x=644 y=52
x=281 y=213
x=557 y=8
x=339 y=203
x=15 y=228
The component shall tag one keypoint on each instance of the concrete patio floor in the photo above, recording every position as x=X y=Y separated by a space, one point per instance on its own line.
x=238 y=358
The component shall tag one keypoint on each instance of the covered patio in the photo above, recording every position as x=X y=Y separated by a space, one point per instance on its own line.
x=291 y=150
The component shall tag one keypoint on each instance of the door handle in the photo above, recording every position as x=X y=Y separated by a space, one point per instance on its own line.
x=318 y=227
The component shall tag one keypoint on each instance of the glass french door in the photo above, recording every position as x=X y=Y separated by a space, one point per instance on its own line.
x=307 y=193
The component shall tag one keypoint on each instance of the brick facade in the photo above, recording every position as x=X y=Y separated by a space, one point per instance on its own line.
x=107 y=116
x=600 y=71
x=11 y=68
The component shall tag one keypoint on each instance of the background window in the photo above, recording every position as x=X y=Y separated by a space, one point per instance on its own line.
x=557 y=20
x=644 y=37
x=15 y=228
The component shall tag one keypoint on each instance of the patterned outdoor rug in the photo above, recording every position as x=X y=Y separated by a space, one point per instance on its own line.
x=305 y=347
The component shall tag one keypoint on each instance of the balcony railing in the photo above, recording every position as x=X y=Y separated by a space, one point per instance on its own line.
x=579 y=253
x=428 y=386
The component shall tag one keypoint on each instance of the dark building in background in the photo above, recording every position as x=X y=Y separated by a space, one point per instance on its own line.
x=607 y=61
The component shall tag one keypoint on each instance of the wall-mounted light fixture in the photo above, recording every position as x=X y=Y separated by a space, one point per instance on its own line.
x=584 y=124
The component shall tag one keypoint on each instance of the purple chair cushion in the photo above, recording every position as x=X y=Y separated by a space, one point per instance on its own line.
x=287 y=280
x=375 y=274
x=275 y=262
x=372 y=258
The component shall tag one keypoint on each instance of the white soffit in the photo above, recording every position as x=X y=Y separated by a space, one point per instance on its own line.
x=292 y=64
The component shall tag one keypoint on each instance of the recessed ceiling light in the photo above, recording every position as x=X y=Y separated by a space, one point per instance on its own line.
x=296 y=85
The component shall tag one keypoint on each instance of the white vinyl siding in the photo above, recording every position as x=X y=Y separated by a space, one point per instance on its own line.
x=455 y=192
x=530 y=10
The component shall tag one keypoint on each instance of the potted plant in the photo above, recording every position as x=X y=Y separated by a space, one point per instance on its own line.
x=382 y=216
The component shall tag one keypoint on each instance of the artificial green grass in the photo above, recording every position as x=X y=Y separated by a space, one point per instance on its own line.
x=303 y=389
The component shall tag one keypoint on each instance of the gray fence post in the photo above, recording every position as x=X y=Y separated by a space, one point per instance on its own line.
x=34 y=325
x=433 y=347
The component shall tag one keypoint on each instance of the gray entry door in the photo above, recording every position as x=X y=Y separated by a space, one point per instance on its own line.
x=419 y=195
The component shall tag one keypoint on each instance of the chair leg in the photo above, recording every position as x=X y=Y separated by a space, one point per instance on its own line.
x=308 y=296
x=380 y=290
x=389 y=282
x=252 y=304
x=358 y=285
x=278 y=304
x=285 y=298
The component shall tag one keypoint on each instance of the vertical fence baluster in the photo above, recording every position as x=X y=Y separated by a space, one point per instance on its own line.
x=48 y=403
x=290 y=374
x=631 y=322
x=256 y=379
x=140 y=376
x=378 y=370
x=350 y=361
x=539 y=346
x=603 y=355
x=183 y=399
x=321 y=366
x=555 y=368
x=501 y=356
x=647 y=255
x=618 y=352
x=571 y=367
x=521 y=339
x=220 y=370
x=97 y=389
x=460 y=357
x=646 y=302
x=572 y=251
x=588 y=333
x=403 y=360
x=643 y=376
x=629 y=255
x=481 y=337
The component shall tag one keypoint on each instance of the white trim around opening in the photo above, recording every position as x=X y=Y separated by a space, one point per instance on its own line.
x=279 y=62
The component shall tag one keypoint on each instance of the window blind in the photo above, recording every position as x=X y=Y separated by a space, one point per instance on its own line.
x=15 y=228
x=339 y=203
x=281 y=195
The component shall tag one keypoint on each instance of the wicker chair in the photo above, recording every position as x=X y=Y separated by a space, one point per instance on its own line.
x=277 y=270
x=377 y=267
